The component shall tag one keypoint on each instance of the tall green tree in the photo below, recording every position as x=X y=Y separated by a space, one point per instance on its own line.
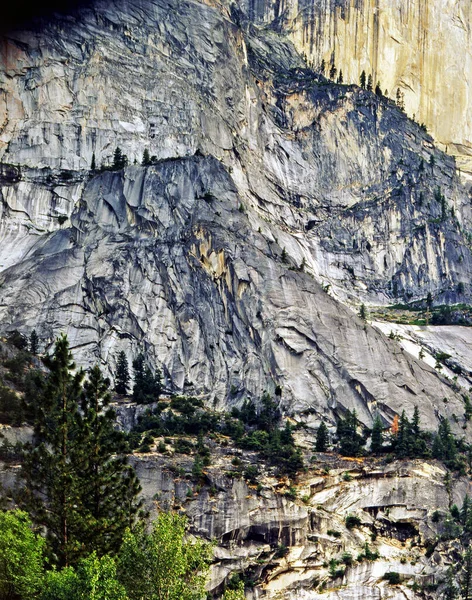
x=108 y=486
x=147 y=385
x=122 y=374
x=164 y=564
x=34 y=342
x=350 y=441
x=362 y=79
x=146 y=158
x=376 y=444
x=120 y=160
x=51 y=493
x=77 y=483
x=21 y=557
x=322 y=438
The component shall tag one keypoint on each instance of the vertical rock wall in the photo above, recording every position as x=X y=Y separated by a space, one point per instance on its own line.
x=423 y=47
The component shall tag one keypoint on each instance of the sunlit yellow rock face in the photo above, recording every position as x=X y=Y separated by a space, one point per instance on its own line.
x=423 y=47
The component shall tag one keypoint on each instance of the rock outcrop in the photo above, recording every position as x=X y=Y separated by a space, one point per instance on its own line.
x=273 y=195
x=423 y=48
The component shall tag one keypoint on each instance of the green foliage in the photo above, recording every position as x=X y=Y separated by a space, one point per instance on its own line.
x=322 y=438
x=350 y=441
x=77 y=484
x=146 y=160
x=235 y=594
x=147 y=385
x=93 y=579
x=164 y=563
x=411 y=441
x=362 y=79
x=33 y=342
x=120 y=160
x=352 y=521
x=363 y=312
x=392 y=577
x=21 y=557
x=122 y=374
x=376 y=445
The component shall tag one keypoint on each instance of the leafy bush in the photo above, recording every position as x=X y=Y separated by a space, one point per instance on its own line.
x=352 y=521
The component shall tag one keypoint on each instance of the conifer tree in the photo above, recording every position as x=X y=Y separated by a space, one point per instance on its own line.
x=51 y=492
x=146 y=158
x=340 y=76
x=332 y=72
x=120 y=160
x=466 y=583
x=108 y=486
x=363 y=312
x=322 y=438
x=376 y=444
x=402 y=448
x=323 y=66
x=350 y=442
x=362 y=79
x=34 y=342
x=369 y=83
x=147 y=386
x=93 y=164
x=378 y=90
x=122 y=374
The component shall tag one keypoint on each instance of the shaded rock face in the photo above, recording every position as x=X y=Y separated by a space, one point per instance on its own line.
x=422 y=48
x=213 y=261
x=287 y=544
x=162 y=258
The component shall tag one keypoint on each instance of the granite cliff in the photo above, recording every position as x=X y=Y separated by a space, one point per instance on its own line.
x=276 y=202
x=422 y=48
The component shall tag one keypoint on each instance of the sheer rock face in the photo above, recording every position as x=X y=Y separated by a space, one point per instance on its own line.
x=162 y=258
x=287 y=544
x=268 y=183
x=423 y=48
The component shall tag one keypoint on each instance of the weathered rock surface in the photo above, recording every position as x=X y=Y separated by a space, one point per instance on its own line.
x=198 y=259
x=423 y=48
x=394 y=503
x=162 y=258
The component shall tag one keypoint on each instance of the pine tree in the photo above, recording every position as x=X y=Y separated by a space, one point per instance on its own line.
x=363 y=312
x=120 y=160
x=122 y=374
x=51 y=493
x=362 y=79
x=466 y=511
x=378 y=90
x=323 y=66
x=108 y=486
x=350 y=442
x=376 y=445
x=34 y=342
x=451 y=590
x=369 y=83
x=147 y=386
x=340 y=76
x=466 y=582
x=93 y=164
x=332 y=72
x=322 y=438
x=146 y=158
x=402 y=447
